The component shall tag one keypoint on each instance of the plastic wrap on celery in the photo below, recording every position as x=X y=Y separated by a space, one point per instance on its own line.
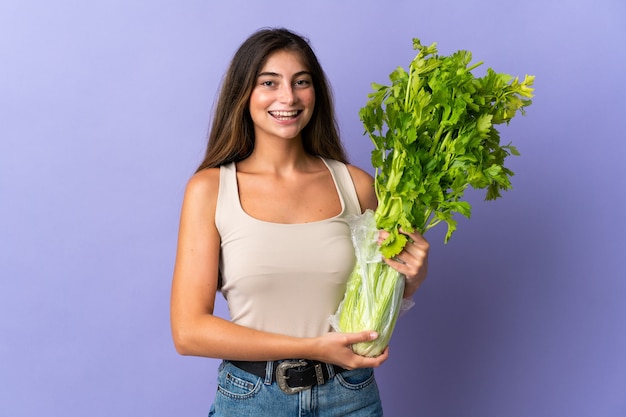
x=374 y=290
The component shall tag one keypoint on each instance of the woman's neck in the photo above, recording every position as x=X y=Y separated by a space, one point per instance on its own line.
x=279 y=157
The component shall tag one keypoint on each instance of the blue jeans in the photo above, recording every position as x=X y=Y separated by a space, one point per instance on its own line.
x=351 y=393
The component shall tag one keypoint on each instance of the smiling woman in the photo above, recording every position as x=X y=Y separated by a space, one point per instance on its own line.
x=264 y=221
x=283 y=99
x=232 y=133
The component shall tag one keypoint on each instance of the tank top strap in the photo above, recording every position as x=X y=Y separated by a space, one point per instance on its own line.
x=227 y=196
x=345 y=186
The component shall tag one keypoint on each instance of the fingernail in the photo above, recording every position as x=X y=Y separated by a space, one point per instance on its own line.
x=373 y=335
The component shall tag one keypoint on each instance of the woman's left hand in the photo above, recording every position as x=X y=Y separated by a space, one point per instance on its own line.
x=412 y=262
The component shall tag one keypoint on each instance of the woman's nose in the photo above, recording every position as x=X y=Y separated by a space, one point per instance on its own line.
x=287 y=95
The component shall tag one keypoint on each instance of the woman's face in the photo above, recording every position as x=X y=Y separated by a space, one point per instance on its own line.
x=283 y=98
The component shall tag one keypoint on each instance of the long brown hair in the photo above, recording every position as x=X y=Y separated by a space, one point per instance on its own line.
x=231 y=137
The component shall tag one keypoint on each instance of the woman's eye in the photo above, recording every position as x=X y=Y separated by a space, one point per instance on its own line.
x=302 y=83
x=267 y=83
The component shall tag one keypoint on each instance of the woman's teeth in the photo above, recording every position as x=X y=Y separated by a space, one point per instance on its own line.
x=284 y=115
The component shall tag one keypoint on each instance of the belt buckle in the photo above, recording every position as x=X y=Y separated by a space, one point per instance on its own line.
x=281 y=376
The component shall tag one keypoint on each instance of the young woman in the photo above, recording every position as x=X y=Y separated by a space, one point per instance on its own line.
x=263 y=221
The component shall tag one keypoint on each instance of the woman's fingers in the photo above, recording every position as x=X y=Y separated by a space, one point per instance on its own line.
x=338 y=350
x=365 y=336
x=358 y=361
x=412 y=262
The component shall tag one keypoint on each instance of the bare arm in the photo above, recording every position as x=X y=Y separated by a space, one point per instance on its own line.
x=196 y=331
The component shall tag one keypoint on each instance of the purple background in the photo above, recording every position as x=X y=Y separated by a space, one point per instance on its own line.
x=104 y=107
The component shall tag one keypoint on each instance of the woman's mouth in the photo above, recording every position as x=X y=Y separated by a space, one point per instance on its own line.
x=285 y=115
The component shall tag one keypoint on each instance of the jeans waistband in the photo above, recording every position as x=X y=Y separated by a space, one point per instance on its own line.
x=291 y=375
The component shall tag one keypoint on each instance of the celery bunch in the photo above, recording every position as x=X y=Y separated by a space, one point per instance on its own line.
x=434 y=133
x=374 y=290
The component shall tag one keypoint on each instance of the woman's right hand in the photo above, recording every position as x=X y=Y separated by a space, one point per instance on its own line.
x=336 y=348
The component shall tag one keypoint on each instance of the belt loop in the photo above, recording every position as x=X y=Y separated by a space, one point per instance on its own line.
x=269 y=370
x=331 y=371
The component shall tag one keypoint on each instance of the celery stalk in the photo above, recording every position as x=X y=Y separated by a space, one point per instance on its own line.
x=373 y=292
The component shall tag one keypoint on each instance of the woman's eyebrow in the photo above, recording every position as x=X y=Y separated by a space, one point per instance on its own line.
x=275 y=74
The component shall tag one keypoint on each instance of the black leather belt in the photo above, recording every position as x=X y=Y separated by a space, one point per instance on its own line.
x=291 y=376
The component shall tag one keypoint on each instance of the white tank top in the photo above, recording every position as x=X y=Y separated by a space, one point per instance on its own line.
x=284 y=278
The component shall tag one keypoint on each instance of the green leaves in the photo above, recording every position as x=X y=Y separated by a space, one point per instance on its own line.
x=433 y=128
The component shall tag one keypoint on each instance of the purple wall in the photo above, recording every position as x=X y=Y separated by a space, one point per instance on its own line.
x=104 y=106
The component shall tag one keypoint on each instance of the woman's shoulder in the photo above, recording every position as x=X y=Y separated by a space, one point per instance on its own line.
x=359 y=174
x=356 y=173
x=206 y=177
x=364 y=184
x=203 y=185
